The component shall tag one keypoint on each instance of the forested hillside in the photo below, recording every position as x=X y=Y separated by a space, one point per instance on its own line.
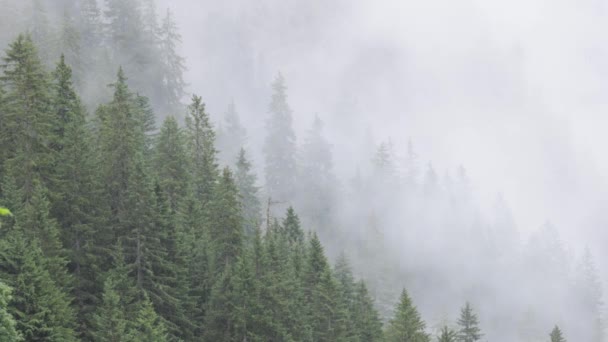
x=136 y=215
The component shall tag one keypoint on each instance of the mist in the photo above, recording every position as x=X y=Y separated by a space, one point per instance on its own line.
x=461 y=142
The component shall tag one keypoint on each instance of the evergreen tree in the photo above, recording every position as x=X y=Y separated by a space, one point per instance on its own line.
x=468 y=325
x=447 y=335
x=231 y=136
x=320 y=293
x=111 y=321
x=280 y=146
x=406 y=325
x=148 y=326
x=40 y=307
x=26 y=119
x=172 y=62
x=226 y=230
x=366 y=321
x=171 y=163
x=245 y=181
x=8 y=331
x=291 y=225
x=316 y=180
x=201 y=150
x=556 y=335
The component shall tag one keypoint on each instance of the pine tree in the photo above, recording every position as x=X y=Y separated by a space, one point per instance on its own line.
x=111 y=322
x=26 y=119
x=201 y=150
x=172 y=62
x=245 y=181
x=588 y=290
x=447 y=335
x=280 y=146
x=468 y=325
x=171 y=163
x=366 y=321
x=231 y=136
x=556 y=335
x=316 y=194
x=291 y=225
x=320 y=293
x=40 y=307
x=406 y=325
x=226 y=230
x=8 y=331
x=148 y=327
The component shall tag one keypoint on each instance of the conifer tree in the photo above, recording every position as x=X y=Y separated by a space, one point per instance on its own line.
x=148 y=327
x=468 y=324
x=406 y=325
x=40 y=307
x=280 y=146
x=26 y=119
x=291 y=225
x=316 y=179
x=556 y=335
x=447 y=335
x=201 y=150
x=320 y=293
x=245 y=181
x=172 y=63
x=8 y=331
x=226 y=230
x=111 y=322
x=171 y=163
x=231 y=136
x=366 y=321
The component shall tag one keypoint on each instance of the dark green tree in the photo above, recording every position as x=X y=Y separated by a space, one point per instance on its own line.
x=201 y=150
x=148 y=327
x=26 y=117
x=365 y=318
x=468 y=324
x=245 y=181
x=171 y=163
x=8 y=331
x=406 y=325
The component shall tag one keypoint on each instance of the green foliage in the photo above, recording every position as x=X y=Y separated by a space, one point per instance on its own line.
x=447 y=335
x=468 y=324
x=8 y=331
x=556 y=335
x=406 y=325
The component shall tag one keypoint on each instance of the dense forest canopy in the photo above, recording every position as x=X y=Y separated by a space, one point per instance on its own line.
x=129 y=212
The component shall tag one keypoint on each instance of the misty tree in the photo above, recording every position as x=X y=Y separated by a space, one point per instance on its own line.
x=246 y=181
x=406 y=325
x=468 y=325
x=280 y=146
x=316 y=181
x=447 y=335
x=588 y=293
x=231 y=136
x=556 y=335
x=173 y=65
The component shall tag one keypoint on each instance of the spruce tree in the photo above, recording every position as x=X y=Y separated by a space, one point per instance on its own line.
x=406 y=325
x=292 y=227
x=201 y=150
x=447 y=335
x=8 y=331
x=231 y=136
x=148 y=327
x=556 y=335
x=468 y=324
x=245 y=181
x=26 y=119
x=110 y=321
x=365 y=318
x=171 y=163
x=280 y=146
x=172 y=63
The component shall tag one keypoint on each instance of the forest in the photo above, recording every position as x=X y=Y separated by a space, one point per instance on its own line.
x=128 y=212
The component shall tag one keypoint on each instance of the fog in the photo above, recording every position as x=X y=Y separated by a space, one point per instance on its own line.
x=513 y=91
x=505 y=100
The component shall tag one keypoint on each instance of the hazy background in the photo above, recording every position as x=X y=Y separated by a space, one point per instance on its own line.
x=513 y=91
